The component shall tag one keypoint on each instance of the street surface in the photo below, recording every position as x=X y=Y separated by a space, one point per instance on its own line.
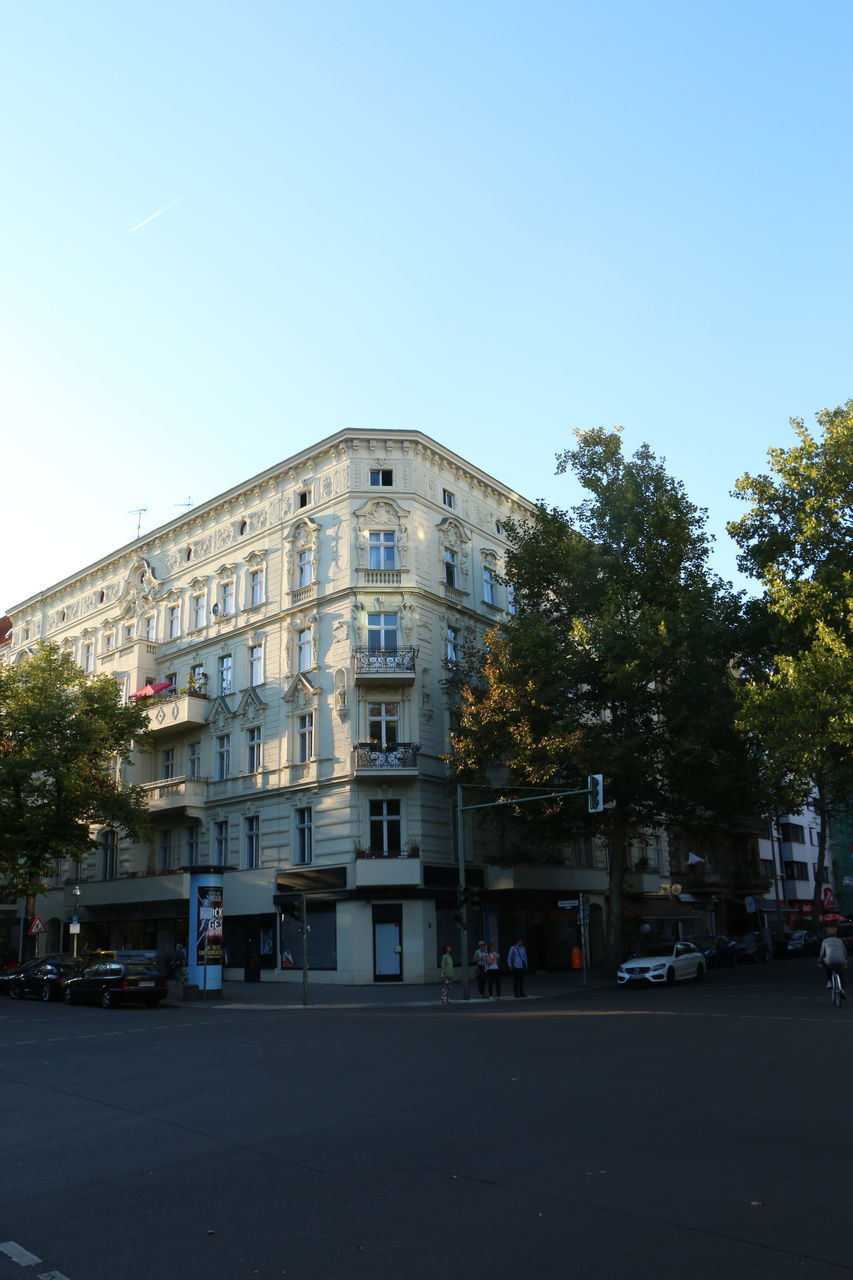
x=690 y=1132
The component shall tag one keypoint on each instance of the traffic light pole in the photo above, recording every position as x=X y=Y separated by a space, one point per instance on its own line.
x=594 y=789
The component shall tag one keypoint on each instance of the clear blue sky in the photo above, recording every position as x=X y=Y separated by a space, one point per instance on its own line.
x=489 y=222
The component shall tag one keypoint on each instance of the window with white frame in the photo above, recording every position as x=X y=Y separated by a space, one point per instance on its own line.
x=254 y=752
x=383 y=723
x=488 y=585
x=223 y=756
x=88 y=657
x=256 y=586
x=165 y=850
x=256 y=664
x=129 y=633
x=167 y=763
x=198 y=677
x=382 y=476
x=453 y=644
x=304 y=737
x=225 y=668
x=194 y=760
x=109 y=641
x=304 y=836
x=173 y=621
x=303 y=649
x=252 y=838
x=448 y=499
x=305 y=567
x=385 y=827
x=199 y=613
x=382 y=549
x=381 y=631
x=451 y=565
x=192 y=846
x=109 y=840
x=226 y=596
x=150 y=627
x=220 y=844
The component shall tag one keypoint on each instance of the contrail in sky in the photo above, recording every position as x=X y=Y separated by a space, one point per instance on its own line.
x=165 y=209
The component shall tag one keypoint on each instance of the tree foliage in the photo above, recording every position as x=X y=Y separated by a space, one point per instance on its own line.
x=797 y=538
x=62 y=736
x=618 y=661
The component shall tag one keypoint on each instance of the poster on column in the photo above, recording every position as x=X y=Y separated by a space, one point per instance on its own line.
x=209 y=924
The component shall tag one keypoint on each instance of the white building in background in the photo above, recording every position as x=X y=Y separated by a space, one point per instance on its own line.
x=291 y=637
x=789 y=855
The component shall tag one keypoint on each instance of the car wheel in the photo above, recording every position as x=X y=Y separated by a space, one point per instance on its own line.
x=15 y=990
x=700 y=973
x=46 y=992
x=670 y=977
x=107 y=1000
x=66 y=995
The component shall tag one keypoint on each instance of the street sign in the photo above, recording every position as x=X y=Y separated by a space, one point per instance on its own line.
x=74 y=927
x=37 y=927
x=568 y=903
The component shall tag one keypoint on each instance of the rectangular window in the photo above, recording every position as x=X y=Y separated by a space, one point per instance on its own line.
x=304 y=836
x=165 y=850
x=227 y=599
x=383 y=723
x=223 y=756
x=452 y=644
x=767 y=868
x=110 y=858
x=220 y=844
x=381 y=631
x=172 y=681
x=488 y=585
x=382 y=550
x=173 y=621
x=385 y=827
x=382 y=477
x=256 y=664
x=109 y=641
x=305 y=567
x=303 y=649
x=192 y=846
x=151 y=627
x=199 y=611
x=303 y=498
x=226 y=673
x=305 y=737
x=510 y=599
x=167 y=767
x=194 y=760
x=197 y=678
x=253 y=749
x=129 y=633
x=89 y=657
x=796 y=870
x=793 y=833
x=450 y=566
x=253 y=842
x=256 y=587
x=448 y=499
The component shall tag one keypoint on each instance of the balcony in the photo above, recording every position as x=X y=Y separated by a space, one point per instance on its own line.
x=372 y=758
x=176 y=796
x=177 y=711
x=390 y=666
x=376 y=869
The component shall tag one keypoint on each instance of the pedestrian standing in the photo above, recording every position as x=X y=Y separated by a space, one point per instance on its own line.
x=493 y=972
x=480 y=966
x=517 y=961
x=446 y=973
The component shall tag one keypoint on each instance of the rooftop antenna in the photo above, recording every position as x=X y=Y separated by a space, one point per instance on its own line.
x=186 y=504
x=138 y=512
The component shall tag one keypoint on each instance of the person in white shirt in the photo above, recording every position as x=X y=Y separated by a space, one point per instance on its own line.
x=833 y=956
x=517 y=961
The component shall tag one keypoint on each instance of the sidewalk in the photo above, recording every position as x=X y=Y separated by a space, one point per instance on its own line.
x=288 y=995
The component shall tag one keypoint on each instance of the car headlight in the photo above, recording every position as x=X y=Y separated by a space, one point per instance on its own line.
x=656 y=968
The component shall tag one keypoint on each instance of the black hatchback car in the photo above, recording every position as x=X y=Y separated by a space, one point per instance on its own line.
x=110 y=984
x=44 y=979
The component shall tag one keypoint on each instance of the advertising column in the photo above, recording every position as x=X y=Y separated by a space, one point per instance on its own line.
x=204 y=954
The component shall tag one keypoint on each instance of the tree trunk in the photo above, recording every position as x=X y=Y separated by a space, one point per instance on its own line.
x=28 y=948
x=612 y=957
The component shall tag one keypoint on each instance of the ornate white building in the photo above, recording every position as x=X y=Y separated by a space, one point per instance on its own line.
x=291 y=637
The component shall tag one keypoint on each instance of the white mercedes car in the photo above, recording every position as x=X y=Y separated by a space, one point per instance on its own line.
x=680 y=962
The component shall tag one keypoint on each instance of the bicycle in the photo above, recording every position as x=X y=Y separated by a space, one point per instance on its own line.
x=837 y=992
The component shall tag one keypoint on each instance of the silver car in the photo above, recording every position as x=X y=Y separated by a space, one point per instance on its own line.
x=675 y=962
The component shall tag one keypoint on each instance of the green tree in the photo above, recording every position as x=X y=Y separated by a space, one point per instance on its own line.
x=617 y=661
x=63 y=736
x=797 y=538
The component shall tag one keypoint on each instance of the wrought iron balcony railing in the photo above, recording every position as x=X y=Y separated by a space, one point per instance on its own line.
x=384 y=662
x=373 y=755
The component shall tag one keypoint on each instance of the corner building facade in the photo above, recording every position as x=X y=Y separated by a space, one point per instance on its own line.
x=290 y=638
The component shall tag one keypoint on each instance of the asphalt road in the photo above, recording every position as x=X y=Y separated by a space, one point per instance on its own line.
x=697 y=1131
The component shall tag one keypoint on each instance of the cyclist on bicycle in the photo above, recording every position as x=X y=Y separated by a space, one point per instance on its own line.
x=833 y=956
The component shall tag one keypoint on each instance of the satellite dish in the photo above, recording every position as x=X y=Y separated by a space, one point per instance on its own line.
x=215 y=611
x=675 y=889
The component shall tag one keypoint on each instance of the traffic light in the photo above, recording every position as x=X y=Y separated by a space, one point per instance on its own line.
x=463 y=897
x=595 y=792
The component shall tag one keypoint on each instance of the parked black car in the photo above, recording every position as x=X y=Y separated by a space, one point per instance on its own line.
x=111 y=984
x=719 y=952
x=44 y=979
x=751 y=949
x=803 y=943
x=14 y=974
